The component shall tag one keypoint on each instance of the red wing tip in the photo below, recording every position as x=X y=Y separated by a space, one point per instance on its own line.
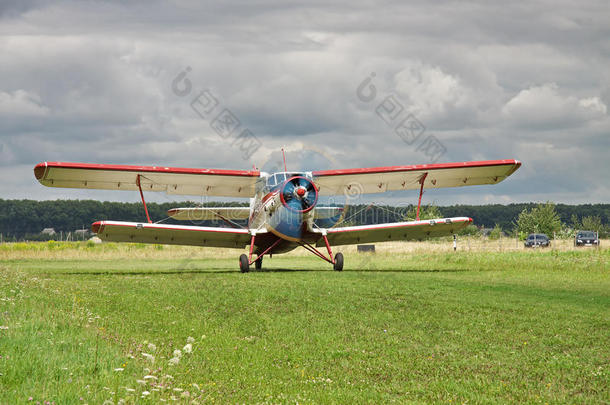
x=39 y=170
x=97 y=227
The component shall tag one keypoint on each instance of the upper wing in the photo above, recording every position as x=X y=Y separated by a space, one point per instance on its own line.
x=116 y=231
x=172 y=180
x=352 y=182
x=207 y=213
x=412 y=230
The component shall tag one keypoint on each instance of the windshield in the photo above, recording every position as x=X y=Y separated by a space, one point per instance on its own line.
x=537 y=237
x=586 y=235
x=278 y=178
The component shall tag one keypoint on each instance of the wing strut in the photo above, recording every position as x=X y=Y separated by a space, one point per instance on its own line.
x=421 y=191
x=143 y=201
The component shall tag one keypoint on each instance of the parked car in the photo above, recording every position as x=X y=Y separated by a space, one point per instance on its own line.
x=586 y=238
x=537 y=240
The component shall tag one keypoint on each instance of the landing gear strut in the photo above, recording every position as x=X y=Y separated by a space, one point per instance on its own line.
x=245 y=260
x=336 y=261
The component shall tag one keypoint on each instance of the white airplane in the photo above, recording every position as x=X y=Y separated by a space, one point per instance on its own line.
x=282 y=205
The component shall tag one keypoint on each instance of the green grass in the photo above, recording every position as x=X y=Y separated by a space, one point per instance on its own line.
x=476 y=327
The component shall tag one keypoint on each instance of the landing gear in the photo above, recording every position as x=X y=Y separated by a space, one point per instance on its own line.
x=244 y=265
x=338 y=264
x=258 y=263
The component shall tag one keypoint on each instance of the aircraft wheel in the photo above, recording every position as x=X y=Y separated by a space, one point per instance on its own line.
x=338 y=266
x=259 y=263
x=244 y=266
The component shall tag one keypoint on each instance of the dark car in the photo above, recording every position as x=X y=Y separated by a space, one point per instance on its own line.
x=537 y=240
x=586 y=238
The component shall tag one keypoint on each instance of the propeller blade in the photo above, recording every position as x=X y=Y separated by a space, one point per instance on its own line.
x=289 y=187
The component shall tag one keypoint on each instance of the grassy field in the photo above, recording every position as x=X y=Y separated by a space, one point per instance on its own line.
x=87 y=324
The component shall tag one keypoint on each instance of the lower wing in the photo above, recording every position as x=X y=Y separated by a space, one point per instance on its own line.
x=412 y=230
x=209 y=213
x=115 y=231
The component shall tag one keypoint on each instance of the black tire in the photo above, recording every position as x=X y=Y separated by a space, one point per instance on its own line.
x=258 y=264
x=244 y=265
x=338 y=265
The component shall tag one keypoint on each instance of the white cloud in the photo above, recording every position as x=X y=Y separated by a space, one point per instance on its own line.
x=545 y=107
x=430 y=91
x=593 y=105
x=21 y=103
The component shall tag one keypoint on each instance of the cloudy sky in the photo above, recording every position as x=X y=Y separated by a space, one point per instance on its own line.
x=115 y=81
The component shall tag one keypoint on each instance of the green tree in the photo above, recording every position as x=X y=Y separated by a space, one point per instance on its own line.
x=591 y=223
x=495 y=233
x=541 y=219
x=470 y=230
x=429 y=211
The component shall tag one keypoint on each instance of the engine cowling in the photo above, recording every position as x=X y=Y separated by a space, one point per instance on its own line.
x=299 y=194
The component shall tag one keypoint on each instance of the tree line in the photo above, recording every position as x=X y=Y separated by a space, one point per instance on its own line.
x=25 y=219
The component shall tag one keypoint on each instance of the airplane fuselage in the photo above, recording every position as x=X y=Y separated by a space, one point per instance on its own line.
x=284 y=205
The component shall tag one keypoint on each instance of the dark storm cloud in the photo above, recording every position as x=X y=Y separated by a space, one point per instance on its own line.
x=92 y=81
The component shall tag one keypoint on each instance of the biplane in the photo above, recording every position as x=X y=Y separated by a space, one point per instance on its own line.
x=283 y=206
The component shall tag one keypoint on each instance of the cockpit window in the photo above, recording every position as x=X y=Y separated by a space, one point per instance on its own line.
x=279 y=178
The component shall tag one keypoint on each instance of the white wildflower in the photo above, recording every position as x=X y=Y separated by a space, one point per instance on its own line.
x=178 y=389
x=145 y=393
x=190 y=339
x=174 y=360
x=149 y=357
x=188 y=348
x=185 y=394
x=196 y=386
x=177 y=353
x=152 y=347
x=119 y=369
x=129 y=389
x=141 y=382
x=3 y=327
x=150 y=377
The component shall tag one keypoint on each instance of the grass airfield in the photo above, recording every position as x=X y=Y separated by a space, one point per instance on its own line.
x=412 y=323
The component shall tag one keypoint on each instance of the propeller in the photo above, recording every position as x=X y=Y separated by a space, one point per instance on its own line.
x=299 y=194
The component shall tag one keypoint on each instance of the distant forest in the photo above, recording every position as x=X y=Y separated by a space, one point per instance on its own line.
x=25 y=219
